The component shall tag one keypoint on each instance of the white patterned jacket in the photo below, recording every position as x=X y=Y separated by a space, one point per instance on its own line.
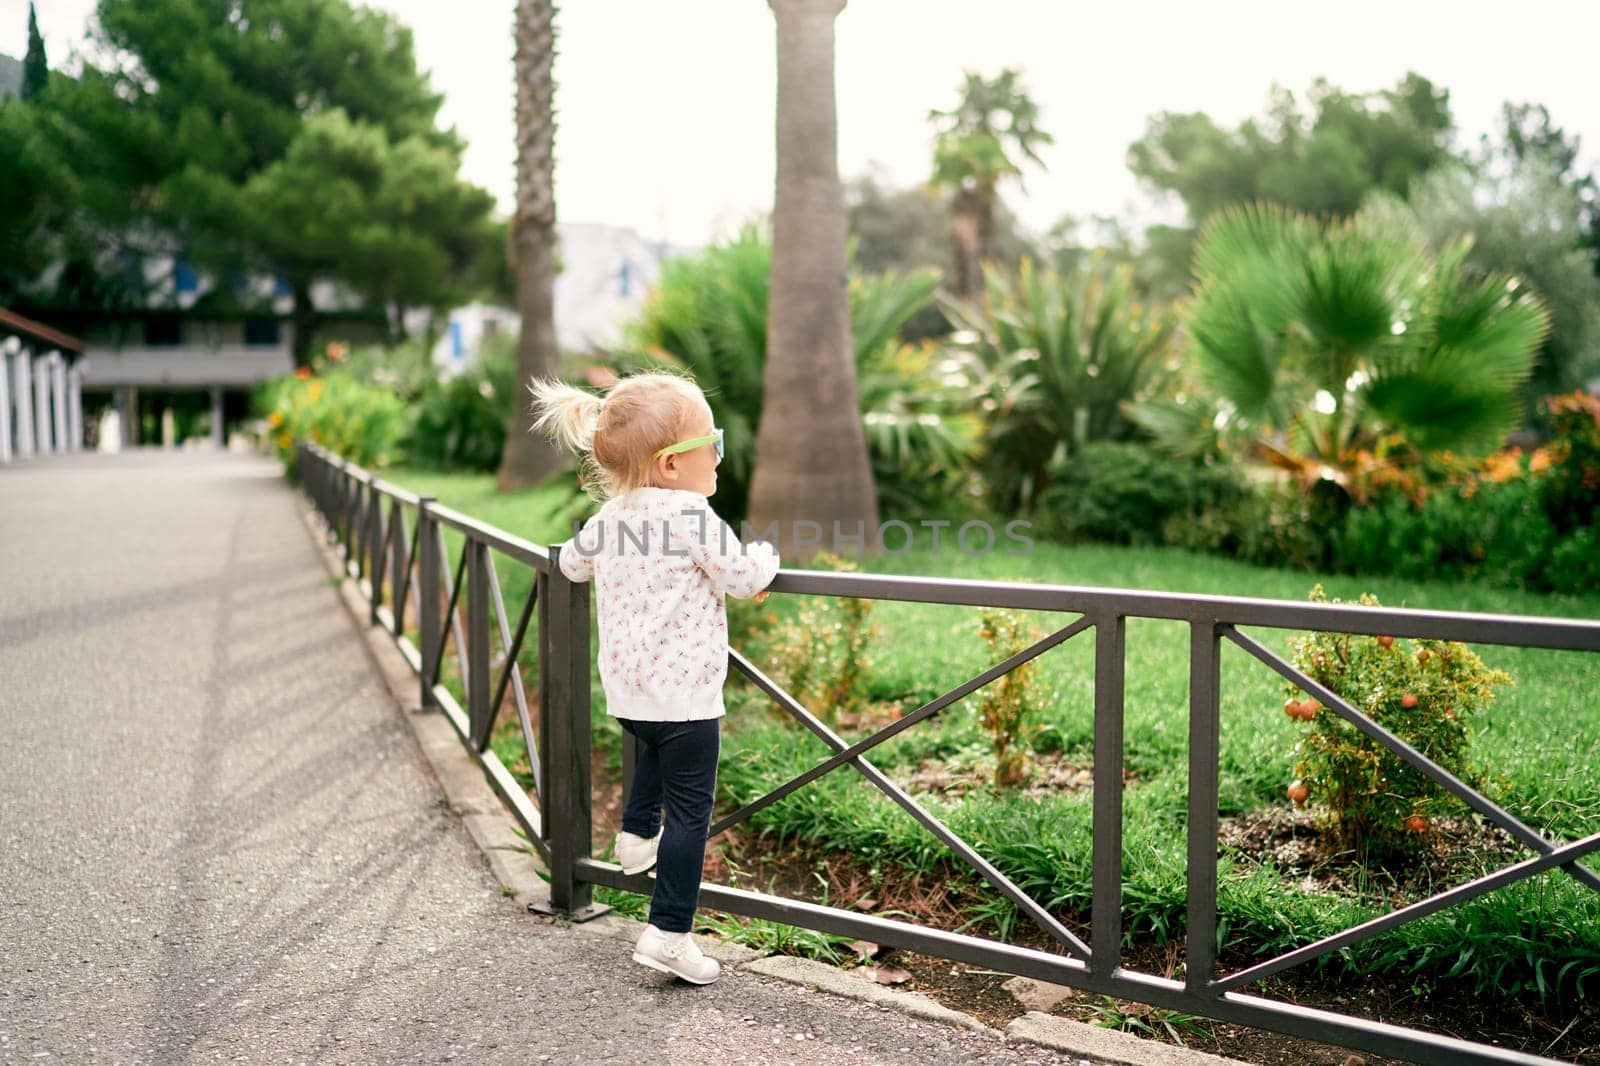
x=662 y=561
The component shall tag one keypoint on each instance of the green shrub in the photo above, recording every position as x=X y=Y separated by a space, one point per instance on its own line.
x=1517 y=521
x=1571 y=484
x=1426 y=693
x=1495 y=532
x=1125 y=493
x=460 y=423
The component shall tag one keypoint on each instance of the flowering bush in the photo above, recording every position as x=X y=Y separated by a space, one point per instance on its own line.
x=362 y=422
x=1426 y=692
x=1515 y=518
x=1571 y=485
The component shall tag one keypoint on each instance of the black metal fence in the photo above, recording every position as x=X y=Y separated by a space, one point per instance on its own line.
x=394 y=544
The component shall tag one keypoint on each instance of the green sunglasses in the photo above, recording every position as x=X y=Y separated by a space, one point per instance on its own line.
x=714 y=437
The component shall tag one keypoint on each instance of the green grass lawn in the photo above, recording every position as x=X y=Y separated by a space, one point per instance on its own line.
x=1538 y=747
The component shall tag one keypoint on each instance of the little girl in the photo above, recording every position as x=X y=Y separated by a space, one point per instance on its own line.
x=662 y=562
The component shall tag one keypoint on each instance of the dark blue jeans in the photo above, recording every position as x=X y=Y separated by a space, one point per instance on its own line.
x=675 y=776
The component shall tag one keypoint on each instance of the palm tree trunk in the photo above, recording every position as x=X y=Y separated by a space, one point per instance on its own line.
x=811 y=449
x=528 y=459
x=966 y=245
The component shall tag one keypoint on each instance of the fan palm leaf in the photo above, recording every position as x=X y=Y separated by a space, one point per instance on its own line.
x=1316 y=340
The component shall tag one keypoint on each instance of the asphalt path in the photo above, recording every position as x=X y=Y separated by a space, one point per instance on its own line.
x=219 y=840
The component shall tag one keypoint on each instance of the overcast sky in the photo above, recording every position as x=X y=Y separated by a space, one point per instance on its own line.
x=665 y=109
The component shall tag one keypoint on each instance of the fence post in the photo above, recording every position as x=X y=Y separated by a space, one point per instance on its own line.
x=564 y=693
x=399 y=580
x=1205 y=682
x=1106 y=911
x=480 y=716
x=374 y=546
x=428 y=634
x=358 y=524
x=341 y=500
x=542 y=638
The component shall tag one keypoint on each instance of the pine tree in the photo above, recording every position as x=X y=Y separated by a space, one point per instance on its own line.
x=35 y=68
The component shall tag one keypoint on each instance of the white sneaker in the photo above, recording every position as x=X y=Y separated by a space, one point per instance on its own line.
x=675 y=953
x=636 y=854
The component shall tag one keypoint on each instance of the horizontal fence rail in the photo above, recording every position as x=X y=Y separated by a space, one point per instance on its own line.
x=394 y=546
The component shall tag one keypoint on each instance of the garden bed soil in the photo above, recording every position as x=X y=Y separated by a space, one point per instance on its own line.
x=1452 y=851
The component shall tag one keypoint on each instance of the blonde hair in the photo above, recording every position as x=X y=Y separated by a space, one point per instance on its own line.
x=616 y=434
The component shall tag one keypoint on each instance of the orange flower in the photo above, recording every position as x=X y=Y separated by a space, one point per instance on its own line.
x=336 y=351
x=285 y=441
x=1540 y=461
x=275 y=419
x=302 y=372
x=1503 y=466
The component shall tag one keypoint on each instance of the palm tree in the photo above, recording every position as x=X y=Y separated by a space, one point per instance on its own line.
x=528 y=459
x=972 y=154
x=1058 y=359
x=708 y=315
x=811 y=449
x=1322 y=345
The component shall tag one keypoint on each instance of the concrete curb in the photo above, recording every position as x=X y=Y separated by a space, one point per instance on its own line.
x=466 y=791
x=826 y=978
x=1096 y=1044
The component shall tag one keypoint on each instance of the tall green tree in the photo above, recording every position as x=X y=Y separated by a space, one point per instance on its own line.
x=1323 y=154
x=1525 y=223
x=35 y=67
x=200 y=107
x=982 y=141
x=1531 y=137
x=529 y=458
x=811 y=449
x=1323 y=157
x=907 y=230
x=346 y=202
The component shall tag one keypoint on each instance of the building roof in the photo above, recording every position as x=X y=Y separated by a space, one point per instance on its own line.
x=13 y=323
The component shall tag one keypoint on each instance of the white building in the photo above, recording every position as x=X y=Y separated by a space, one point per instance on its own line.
x=191 y=351
x=606 y=274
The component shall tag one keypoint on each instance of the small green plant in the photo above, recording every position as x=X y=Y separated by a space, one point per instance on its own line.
x=1426 y=692
x=1151 y=1021
x=774 y=937
x=1011 y=702
x=623 y=904
x=820 y=657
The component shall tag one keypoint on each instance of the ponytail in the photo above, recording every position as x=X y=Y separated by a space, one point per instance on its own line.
x=566 y=414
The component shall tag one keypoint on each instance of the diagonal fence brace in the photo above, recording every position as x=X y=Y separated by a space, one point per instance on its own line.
x=940 y=831
x=927 y=710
